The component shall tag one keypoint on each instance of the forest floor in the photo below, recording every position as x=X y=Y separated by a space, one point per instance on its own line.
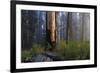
x=62 y=52
x=47 y=56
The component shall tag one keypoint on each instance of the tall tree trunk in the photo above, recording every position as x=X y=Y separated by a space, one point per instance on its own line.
x=69 y=26
x=56 y=20
x=82 y=26
x=53 y=26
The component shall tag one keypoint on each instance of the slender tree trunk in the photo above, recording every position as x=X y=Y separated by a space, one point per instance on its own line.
x=69 y=26
x=56 y=28
x=82 y=26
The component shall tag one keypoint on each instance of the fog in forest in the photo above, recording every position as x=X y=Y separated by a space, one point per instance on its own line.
x=50 y=27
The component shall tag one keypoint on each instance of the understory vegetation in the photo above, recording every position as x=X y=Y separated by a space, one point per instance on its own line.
x=70 y=50
x=73 y=50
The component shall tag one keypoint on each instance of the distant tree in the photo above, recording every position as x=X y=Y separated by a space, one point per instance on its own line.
x=26 y=29
x=69 y=26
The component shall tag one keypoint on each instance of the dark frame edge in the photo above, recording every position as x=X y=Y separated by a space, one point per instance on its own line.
x=56 y=68
x=13 y=36
x=95 y=37
x=55 y=4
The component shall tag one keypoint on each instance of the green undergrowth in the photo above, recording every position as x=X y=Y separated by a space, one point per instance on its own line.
x=70 y=50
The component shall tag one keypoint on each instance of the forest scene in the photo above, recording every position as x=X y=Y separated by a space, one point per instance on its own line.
x=48 y=36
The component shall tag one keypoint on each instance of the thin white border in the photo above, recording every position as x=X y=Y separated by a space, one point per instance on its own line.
x=20 y=65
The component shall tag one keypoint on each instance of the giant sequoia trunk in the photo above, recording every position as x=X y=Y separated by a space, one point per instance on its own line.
x=51 y=28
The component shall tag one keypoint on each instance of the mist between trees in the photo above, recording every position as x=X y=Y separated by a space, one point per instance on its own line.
x=56 y=32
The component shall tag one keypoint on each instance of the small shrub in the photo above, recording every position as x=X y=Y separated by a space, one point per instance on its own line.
x=37 y=49
x=25 y=55
x=60 y=47
x=72 y=51
x=85 y=50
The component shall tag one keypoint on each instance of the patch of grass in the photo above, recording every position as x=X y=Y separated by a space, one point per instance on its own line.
x=70 y=50
x=25 y=55
x=36 y=49
x=73 y=50
x=61 y=47
x=85 y=50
